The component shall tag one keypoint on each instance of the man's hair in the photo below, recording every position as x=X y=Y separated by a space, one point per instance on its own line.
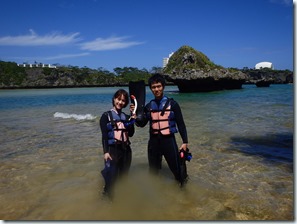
x=118 y=94
x=157 y=77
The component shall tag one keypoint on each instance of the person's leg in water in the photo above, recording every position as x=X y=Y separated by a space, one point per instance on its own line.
x=154 y=155
x=119 y=166
x=172 y=157
x=124 y=160
x=110 y=172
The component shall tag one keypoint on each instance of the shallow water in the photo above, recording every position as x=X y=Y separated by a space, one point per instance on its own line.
x=242 y=166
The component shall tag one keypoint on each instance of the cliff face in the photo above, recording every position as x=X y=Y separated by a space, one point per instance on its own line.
x=269 y=76
x=200 y=81
x=192 y=71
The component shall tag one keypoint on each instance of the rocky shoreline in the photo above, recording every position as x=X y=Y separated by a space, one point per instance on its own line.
x=204 y=81
x=187 y=68
x=184 y=85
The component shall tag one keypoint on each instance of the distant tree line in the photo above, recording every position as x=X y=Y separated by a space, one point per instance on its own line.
x=13 y=76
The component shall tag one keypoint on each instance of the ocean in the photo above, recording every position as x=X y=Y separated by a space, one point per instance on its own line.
x=241 y=142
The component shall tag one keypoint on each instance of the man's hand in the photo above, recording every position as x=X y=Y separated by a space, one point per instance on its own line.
x=184 y=146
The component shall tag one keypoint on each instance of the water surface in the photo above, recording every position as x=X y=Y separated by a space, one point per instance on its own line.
x=242 y=166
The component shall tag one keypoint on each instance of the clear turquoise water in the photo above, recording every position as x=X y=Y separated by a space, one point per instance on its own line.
x=242 y=166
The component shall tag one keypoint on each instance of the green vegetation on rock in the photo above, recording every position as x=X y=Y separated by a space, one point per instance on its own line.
x=187 y=58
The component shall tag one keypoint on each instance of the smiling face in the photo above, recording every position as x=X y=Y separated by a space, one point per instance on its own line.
x=119 y=102
x=157 y=89
x=120 y=99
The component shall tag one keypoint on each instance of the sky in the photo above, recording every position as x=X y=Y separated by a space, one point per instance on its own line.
x=140 y=33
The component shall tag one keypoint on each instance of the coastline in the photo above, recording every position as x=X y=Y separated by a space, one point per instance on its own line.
x=72 y=86
x=98 y=86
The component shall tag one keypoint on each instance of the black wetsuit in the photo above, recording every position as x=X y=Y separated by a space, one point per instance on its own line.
x=120 y=153
x=165 y=145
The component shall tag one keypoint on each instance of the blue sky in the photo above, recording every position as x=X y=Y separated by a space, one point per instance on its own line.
x=140 y=33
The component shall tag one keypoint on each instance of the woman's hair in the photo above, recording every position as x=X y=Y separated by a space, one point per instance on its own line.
x=157 y=77
x=118 y=94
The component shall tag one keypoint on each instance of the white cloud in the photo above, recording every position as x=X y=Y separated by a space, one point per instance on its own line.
x=34 y=39
x=111 y=43
x=62 y=56
x=49 y=58
x=56 y=39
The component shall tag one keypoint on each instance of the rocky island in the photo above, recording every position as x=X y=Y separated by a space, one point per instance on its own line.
x=192 y=71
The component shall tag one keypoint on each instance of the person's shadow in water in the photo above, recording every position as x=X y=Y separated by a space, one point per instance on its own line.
x=273 y=148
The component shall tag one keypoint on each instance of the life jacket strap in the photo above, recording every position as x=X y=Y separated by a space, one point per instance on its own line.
x=165 y=106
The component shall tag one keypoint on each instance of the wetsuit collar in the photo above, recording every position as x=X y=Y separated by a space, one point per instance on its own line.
x=158 y=101
x=115 y=110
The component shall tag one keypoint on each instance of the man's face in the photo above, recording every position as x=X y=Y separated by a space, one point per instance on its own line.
x=157 y=89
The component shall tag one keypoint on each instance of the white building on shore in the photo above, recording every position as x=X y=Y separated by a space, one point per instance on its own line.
x=165 y=60
x=25 y=65
x=264 y=64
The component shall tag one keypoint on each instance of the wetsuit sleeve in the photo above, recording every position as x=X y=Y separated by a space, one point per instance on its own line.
x=180 y=121
x=130 y=128
x=104 y=131
x=141 y=123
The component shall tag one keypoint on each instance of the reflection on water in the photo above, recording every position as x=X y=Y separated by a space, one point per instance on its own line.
x=242 y=166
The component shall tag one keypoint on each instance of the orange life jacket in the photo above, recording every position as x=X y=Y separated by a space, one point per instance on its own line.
x=161 y=117
x=117 y=132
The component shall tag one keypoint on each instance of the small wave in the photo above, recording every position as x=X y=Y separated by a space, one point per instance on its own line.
x=78 y=117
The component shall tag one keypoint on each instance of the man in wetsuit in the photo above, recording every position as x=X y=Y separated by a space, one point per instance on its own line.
x=165 y=117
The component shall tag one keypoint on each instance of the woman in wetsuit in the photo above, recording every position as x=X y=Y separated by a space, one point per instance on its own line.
x=116 y=128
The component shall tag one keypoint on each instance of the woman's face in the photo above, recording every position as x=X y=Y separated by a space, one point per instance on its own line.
x=119 y=102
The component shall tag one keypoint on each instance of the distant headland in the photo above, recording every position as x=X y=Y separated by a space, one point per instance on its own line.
x=187 y=68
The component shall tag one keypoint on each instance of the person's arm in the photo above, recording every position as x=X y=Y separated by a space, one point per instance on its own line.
x=141 y=123
x=104 y=131
x=180 y=124
x=130 y=127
